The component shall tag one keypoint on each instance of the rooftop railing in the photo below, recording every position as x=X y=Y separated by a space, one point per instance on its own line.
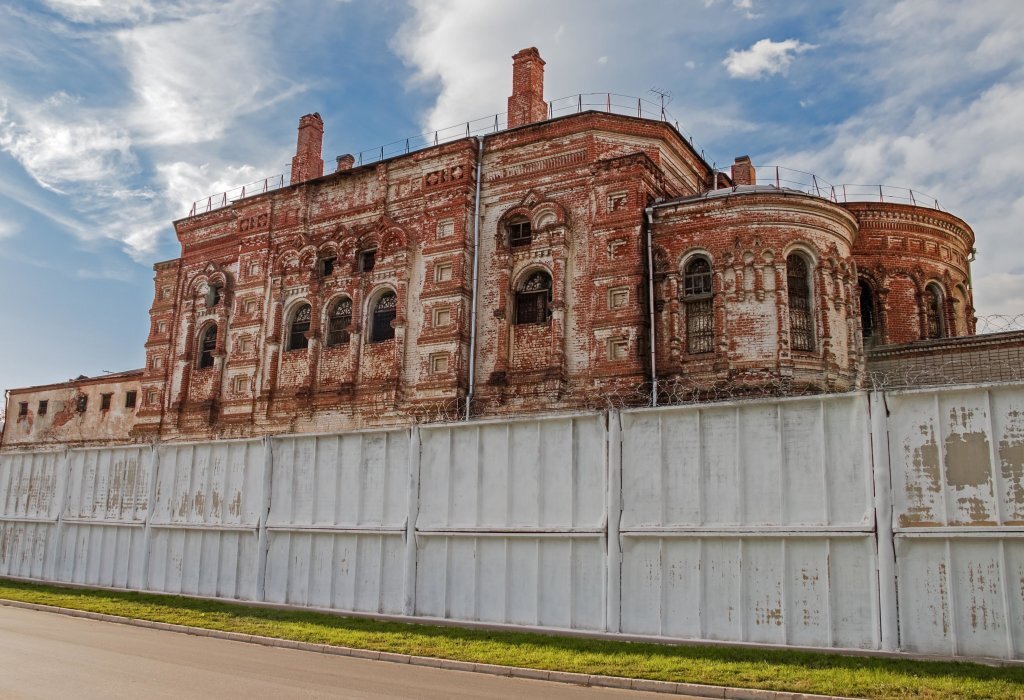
x=809 y=183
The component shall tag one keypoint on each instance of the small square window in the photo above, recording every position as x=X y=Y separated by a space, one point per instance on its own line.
x=327 y=266
x=43 y=407
x=152 y=397
x=618 y=348
x=254 y=269
x=161 y=326
x=615 y=248
x=438 y=363
x=105 y=402
x=158 y=363
x=165 y=293
x=445 y=228
x=250 y=306
x=22 y=409
x=241 y=384
x=443 y=272
x=618 y=297
x=130 y=398
x=442 y=317
x=367 y=260
x=245 y=344
x=616 y=201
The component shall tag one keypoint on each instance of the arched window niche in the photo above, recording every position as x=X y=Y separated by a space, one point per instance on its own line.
x=868 y=313
x=801 y=310
x=933 y=304
x=385 y=310
x=299 y=327
x=533 y=299
x=207 y=346
x=698 y=300
x=339 y=322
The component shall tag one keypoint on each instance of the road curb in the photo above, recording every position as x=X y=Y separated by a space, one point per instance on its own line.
x=583 y=679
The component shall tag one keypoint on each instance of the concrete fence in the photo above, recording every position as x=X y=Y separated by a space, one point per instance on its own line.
x=885 y=521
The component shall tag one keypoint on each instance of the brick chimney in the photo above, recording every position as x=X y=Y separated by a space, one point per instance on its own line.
x=526 y=105
x=308 y=163
x=743 y=172
x=345 y=162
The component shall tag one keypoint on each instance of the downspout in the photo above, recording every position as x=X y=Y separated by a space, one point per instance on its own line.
x=476 y=272
x=3 y=428
x=650 y=303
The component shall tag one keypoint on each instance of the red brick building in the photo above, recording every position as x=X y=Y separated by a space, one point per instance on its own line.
x=514 y=273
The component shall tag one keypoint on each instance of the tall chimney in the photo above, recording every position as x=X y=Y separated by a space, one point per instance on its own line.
x=743 y=172
x=526 y=105
x=308 y=163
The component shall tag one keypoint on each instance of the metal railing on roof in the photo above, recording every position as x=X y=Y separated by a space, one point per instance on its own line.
x=222 y=199
x=809 y=183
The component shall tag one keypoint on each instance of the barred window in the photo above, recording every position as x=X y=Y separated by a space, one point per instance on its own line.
x=385 y=311
x=207 y=344
x=699 y=302
x=867 y=312
x=801 y=325
x=533 y=299
x=519 y=232
x=933 y=302
x=299 y=327
x=338 y=323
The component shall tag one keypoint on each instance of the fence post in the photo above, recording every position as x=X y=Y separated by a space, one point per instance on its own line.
x=885 y=545
x=263 y=539
x=61 y=501
x=412 y=514
x=147 y=533
x=614 y=556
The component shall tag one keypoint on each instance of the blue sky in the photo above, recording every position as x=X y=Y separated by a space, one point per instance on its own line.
x=115 y=115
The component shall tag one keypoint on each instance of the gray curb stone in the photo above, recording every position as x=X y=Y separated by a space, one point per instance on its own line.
x=709 y=691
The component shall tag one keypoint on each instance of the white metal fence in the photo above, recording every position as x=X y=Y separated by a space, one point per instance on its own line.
x=884 y=521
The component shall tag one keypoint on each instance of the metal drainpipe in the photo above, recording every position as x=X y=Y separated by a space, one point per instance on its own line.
x=650 y=303
x=476 y=271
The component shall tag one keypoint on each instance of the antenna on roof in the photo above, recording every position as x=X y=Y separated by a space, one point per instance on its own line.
x=665 y=95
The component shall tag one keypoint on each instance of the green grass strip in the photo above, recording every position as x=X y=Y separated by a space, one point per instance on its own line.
x=827 y=674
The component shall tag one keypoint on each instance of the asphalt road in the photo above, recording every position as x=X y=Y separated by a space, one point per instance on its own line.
x=46 y=655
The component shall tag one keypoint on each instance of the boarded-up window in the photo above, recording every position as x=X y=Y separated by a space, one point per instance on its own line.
x=533 y=299
x=339 y=321
x=618 y=348
x=438 y=363
x=443 y=272
x=700 y=309
x=442 y=317
x=445 y=228
x=618 y=297
x=207 y=344
x=384 y=312
x=299 y=327
x=801 y=317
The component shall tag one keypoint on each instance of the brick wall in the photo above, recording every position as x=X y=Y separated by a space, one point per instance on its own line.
x=970 y=360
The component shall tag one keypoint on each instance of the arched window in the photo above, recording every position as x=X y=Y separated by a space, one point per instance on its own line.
x=298 y=328
x=933 y=308
x=338 y=322
x=533 y=299
x=384 y=312
x=207 y=344
x=867 y=313
x=519 y=232
x=700 y=315
x=801 y=323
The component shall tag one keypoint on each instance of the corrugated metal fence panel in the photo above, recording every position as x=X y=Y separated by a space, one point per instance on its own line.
x=29 y=493
x=103 y=541
x=958 y=457
x=957 y=460
x=204 y=525
x=750 y=522
x=511 y=522
x=337 y=521
x=785 y=463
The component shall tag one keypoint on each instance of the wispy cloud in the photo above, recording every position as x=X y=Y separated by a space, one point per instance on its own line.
x=764 y=58
x=8 y=229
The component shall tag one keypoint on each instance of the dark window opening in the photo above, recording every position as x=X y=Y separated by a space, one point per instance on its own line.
x=297 y=339
x=700 y=312
x=801 y=326
x=43 y=407
x=105 y=402
x=933 y=300
x=367 y=260
x=338 y=323
x=867 y=312
x=22 y=409
x=384 y=313
x=327 y=266
x=533 y=300
x=206 y=347
x=130 y=399
x=81 y=403
x=519 y=232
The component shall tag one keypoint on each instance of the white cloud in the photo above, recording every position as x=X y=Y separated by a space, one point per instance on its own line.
x=7 y=229
x=764 y=58
x=119 y=11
